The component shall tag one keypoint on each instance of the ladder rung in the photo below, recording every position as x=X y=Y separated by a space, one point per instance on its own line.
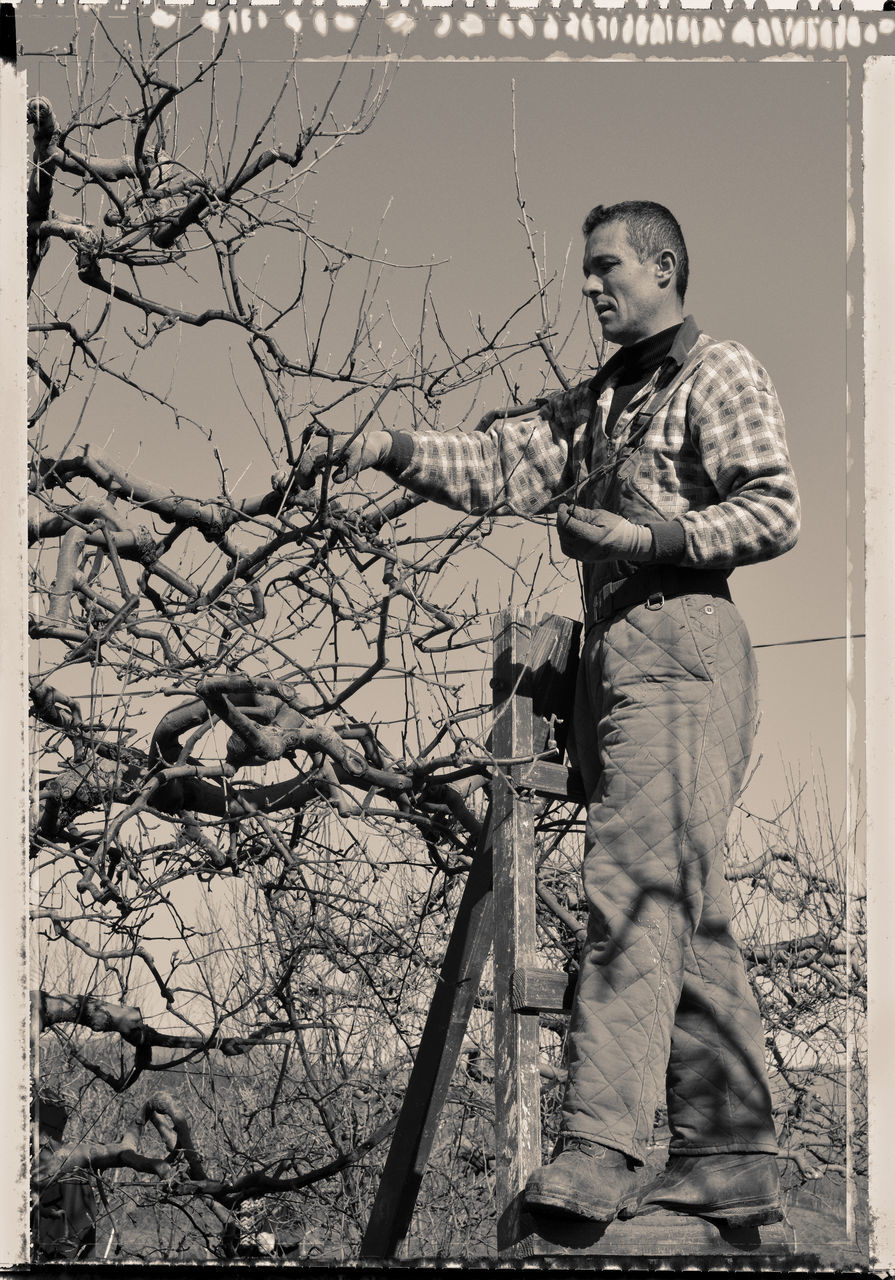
x=555 y=780
x=541 y=990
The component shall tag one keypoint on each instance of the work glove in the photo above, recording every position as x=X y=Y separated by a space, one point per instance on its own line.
x=348 y=453
x=601 y=535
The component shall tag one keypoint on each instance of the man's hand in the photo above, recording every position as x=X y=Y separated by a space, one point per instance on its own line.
x=347 y=453
x=601 y=535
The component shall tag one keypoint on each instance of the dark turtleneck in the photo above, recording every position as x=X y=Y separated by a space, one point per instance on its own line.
x=631 y=368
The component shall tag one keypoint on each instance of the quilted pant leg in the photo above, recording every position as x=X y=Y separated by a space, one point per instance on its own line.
x=717 y=1090
x=671 y=693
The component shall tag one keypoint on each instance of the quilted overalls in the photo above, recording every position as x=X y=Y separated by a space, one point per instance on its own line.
x=664 y=722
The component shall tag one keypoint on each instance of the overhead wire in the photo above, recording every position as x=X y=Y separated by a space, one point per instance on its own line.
x=777 y=644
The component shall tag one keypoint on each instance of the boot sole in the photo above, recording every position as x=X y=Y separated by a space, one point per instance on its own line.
x=559 y=1207
x=729 y=1216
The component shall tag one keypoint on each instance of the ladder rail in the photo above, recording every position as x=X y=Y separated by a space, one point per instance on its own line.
x=517 y=1119
x=436 y=1058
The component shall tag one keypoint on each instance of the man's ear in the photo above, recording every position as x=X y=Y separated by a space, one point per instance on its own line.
x=666 y=266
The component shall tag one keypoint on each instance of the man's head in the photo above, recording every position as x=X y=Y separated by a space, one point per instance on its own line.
x=635 y=269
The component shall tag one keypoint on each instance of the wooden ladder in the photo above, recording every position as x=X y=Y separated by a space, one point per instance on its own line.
x=533 y=682
x=535 y=667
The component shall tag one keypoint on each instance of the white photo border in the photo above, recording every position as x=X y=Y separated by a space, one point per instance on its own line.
x=572 y=30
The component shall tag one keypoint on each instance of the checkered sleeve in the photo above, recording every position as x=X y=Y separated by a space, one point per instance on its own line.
x=516 y=465
x=736 y=424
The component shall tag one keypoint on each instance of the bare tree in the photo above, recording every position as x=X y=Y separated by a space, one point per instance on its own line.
x=278 y=720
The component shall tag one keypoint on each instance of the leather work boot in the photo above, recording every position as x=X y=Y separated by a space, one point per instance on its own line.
x=741 y=1189
x=584 y=1180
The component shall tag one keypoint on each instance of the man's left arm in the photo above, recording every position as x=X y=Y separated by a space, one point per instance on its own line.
x=736 y=424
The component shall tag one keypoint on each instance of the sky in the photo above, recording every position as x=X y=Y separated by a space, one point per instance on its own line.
x=751 y=159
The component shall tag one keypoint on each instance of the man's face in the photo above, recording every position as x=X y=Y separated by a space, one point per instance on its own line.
x=624 y=291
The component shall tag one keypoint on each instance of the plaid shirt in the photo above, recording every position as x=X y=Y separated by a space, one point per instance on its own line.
x=702 y=442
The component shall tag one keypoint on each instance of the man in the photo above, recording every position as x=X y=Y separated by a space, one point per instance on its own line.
x=667 y=470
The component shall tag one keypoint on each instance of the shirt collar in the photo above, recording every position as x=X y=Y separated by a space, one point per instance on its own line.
x=680 y=348
x=684 y=340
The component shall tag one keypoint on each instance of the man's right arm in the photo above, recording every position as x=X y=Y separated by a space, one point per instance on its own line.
x=517 y=464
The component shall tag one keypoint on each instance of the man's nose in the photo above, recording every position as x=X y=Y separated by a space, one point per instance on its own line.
x=592 y=286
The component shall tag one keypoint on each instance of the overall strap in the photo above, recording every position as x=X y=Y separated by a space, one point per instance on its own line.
x=661 y=396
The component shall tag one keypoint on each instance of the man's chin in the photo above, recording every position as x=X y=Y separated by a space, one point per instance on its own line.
x=617 y=335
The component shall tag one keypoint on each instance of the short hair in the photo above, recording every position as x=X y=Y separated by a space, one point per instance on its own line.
x=651 y=229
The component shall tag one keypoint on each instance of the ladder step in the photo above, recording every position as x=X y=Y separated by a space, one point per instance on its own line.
x=556 y=781
x=661 y=1235
x=541 y=990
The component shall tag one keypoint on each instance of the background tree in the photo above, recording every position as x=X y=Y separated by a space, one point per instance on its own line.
x=260 y=722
